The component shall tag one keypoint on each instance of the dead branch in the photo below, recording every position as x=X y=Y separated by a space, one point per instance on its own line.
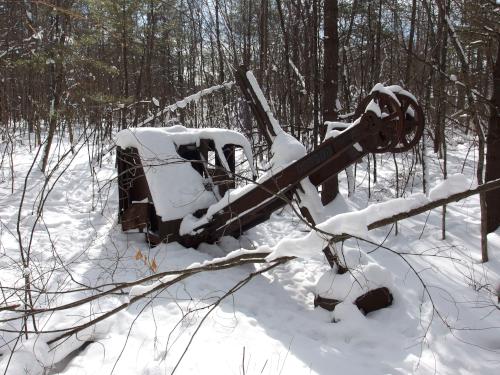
x=231 y=291
x=491 y=185
x=251 y=257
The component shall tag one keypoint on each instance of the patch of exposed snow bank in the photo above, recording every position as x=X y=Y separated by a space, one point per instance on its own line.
x=30 y=357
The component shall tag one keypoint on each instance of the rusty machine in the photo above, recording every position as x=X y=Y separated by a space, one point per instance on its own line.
x=388 y=120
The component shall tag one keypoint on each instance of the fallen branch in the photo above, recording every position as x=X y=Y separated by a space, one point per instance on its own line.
x=228 y=262
x=159 y=287
x=215 y=265
x=488 y=186
x=9 y=308
x=231 y=291
x=431 y=204
x=182 y=103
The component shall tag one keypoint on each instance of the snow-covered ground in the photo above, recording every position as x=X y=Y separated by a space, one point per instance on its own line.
x=450 y=326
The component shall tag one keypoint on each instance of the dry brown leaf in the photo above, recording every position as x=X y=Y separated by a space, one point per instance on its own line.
x=154 y=266
x=138 y=255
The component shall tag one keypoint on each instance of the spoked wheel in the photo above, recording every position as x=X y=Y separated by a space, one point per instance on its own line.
x=413 y=124
x=388 y=134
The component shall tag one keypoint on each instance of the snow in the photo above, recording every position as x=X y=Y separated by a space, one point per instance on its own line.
x=176 y=188
x=271 y=319
x=381 y=88
x=455 y=183
x=356 y=223
x=334 y=128
x=138 y=290
x=364 y=276
x=263 y=101
x=310 y=199
x=30 y=358
x=331 y=125
x=285 y=149
x=373 y=107
x=399 y=90
x=184 y=102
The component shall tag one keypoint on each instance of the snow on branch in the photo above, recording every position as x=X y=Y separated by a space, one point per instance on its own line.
x=336 y=229
x=184 y=102
x=455 y=39
x=357 y=224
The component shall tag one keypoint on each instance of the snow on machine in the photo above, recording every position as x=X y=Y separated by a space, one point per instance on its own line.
x=177 y=183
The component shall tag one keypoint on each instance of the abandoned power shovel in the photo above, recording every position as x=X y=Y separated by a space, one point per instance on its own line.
x=178 y=184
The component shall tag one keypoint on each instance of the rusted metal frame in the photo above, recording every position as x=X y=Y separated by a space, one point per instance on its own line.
x=131 y=172
x=135 y=217
x=168 y=231
x=221 y=179
x=253 y=217
x=263 y=121
x=237 y=224
x=122 y=192
x=262 y=117
x=336 y=166
x=132 y=215
x=229 y=151
x=262 y=212
x=330 y=152
x=125 y=162
x=372 y=300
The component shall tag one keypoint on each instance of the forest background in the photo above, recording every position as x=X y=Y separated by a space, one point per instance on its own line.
x=105 y=65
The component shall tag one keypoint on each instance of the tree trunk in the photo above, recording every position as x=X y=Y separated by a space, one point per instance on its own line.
x=440 y=141
x=315 y=80
x=493 y=151
x=124 y=51
x=56 y=74
x=263 y=41
x=330 y=84
x=409 y=55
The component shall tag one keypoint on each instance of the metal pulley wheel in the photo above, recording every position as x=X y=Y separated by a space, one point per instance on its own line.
x=388 y=125
x=413 y=123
